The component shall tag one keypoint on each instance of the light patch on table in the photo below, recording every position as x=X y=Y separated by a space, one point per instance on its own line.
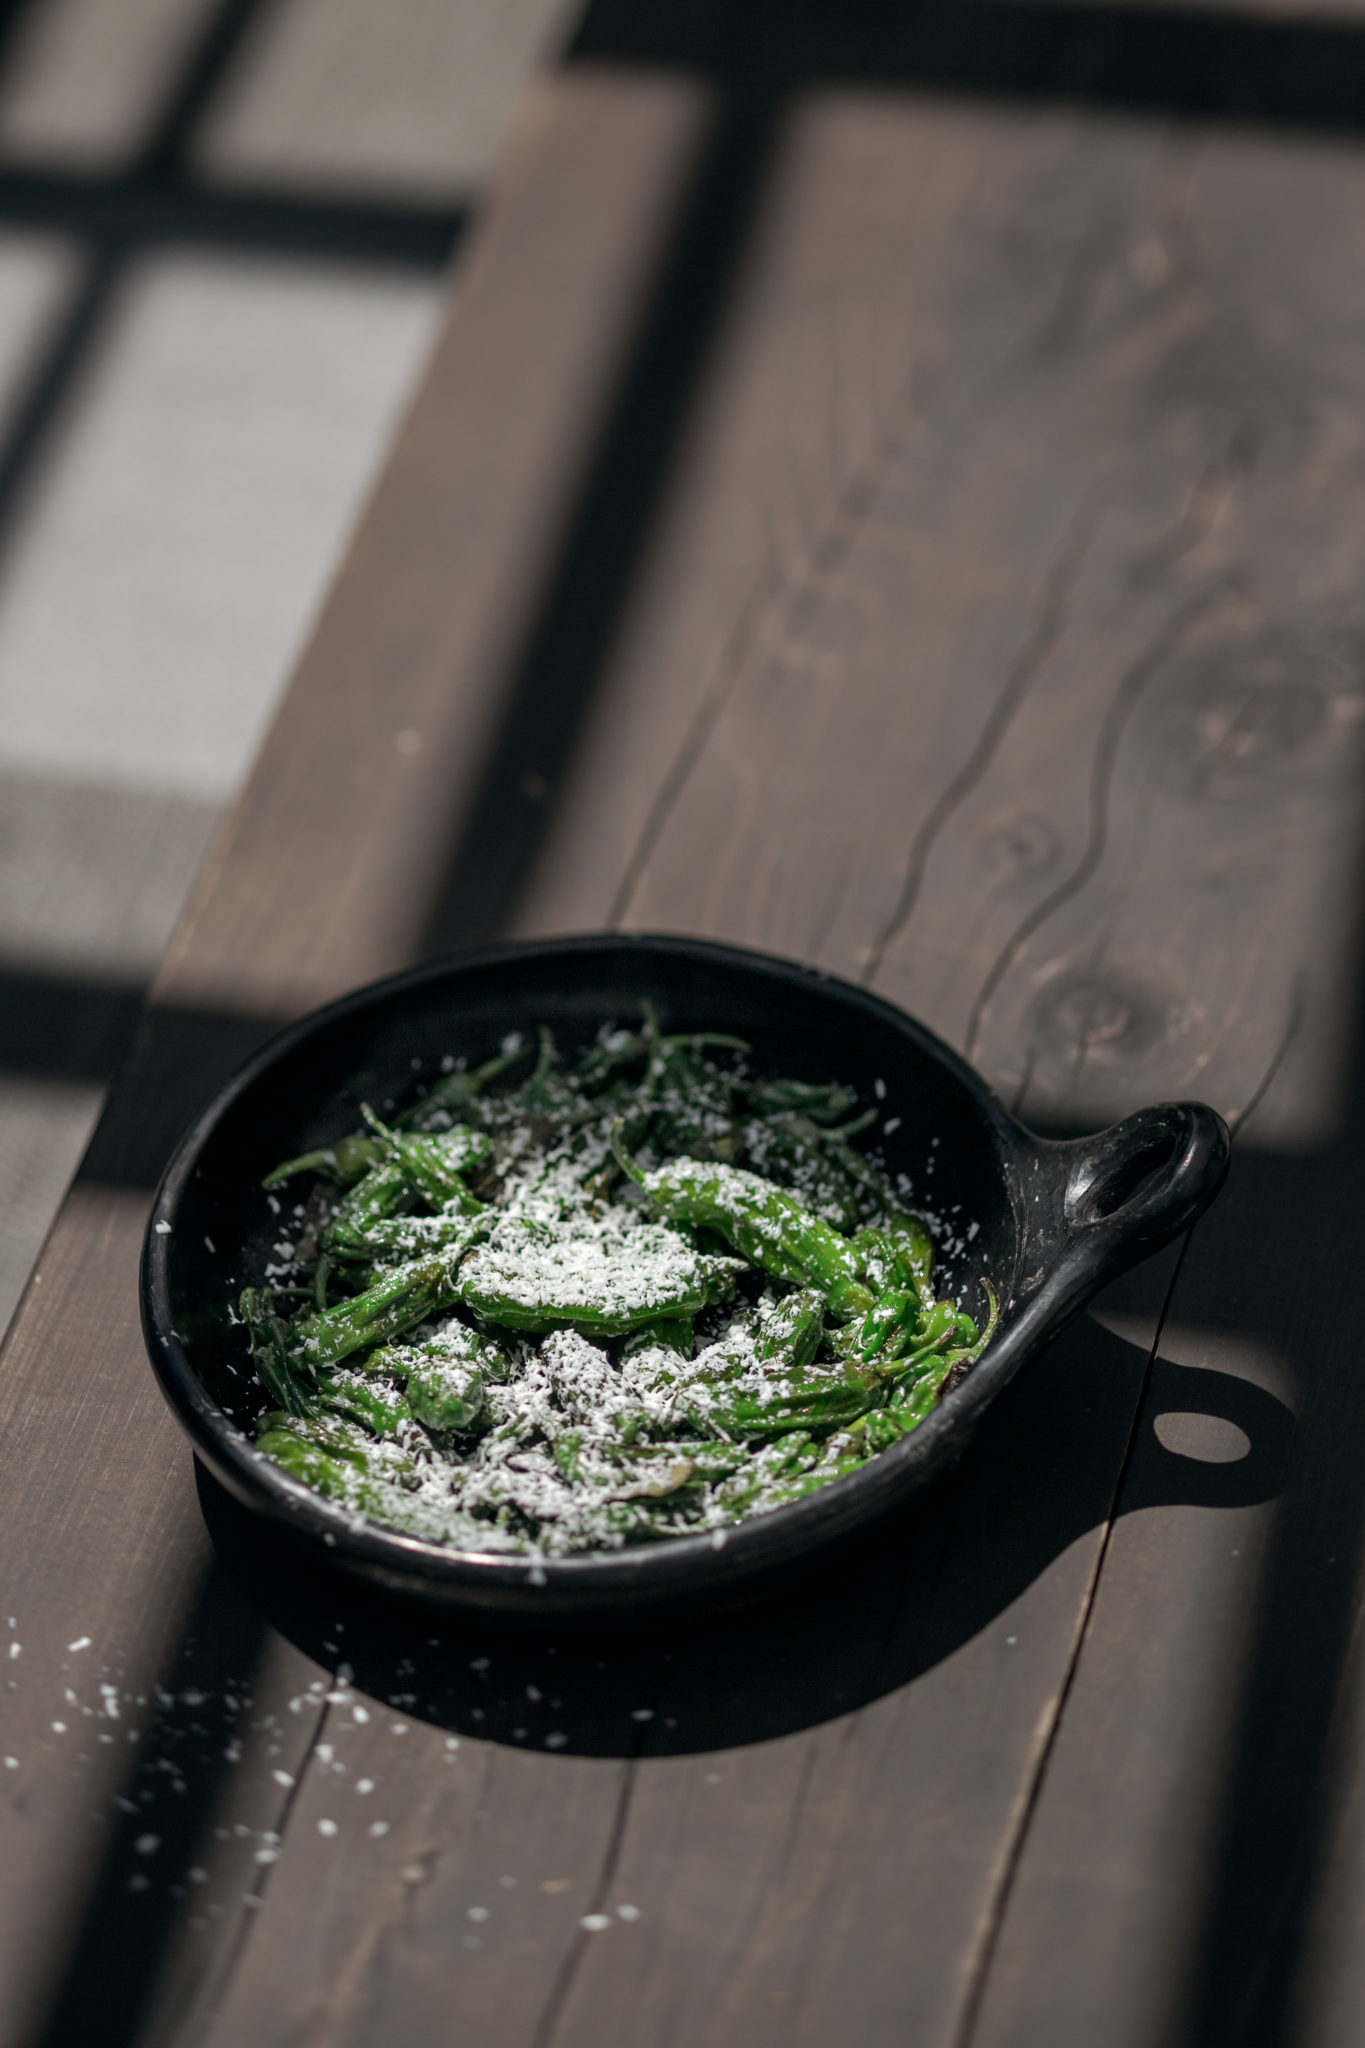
x=35 y=272
x=92 y=879
x=413 y=95
x=164 y=580
x=84 y=76
x=1195 y=1344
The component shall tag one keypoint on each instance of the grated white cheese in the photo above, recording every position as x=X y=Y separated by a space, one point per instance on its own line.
x=559 y=1437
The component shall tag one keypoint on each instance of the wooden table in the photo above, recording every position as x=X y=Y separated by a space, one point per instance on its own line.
x=919 y=532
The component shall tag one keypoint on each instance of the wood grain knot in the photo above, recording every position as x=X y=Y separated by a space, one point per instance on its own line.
x=1092 y=1014
x=1249 y=720
x=1017 y=850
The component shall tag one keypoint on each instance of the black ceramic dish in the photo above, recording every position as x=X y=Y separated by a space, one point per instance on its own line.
x=1054 y=1221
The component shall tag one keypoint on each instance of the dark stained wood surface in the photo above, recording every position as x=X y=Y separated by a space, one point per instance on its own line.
x=990 y=634
x=317 y=883
x=1111 y=847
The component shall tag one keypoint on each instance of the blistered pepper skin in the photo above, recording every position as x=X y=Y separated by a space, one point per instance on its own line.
x=370 y=1202
x=412 y=1350
x=794 y=1332
x=696 y=1283
x=397 y=1302
x=766 y=1225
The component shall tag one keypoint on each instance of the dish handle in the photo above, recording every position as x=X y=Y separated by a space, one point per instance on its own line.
x=1129 y=1190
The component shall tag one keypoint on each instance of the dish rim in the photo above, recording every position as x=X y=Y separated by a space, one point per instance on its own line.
x=1088 y=1248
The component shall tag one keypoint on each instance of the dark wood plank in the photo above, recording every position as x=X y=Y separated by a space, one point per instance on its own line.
x=916 y=1795
x=466 y=1908
x=1181 y=1860
x=1121 y=1865
x=318 y=881
x=1211 y=813
x=72 y=1582
x=110 y=1579
x=1110 y=581
x=856 y=584
x=328 y=872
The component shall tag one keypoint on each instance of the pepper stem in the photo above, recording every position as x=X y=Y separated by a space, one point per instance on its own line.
x=380 y=1129
x=991 y=1320
x=622 y=1157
